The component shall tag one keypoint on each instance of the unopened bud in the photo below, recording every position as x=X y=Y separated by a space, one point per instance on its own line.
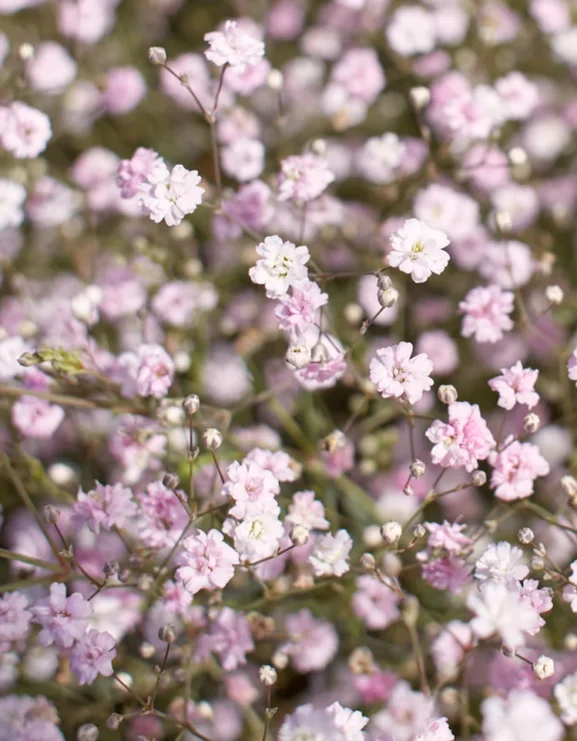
x=554 y=294
x=544 y=667
x=408 y=490
x=508 y=651
x=267 y=675
x=157 y=55
x=391 y=564
x=300 y=535
x=388 y=297
x=191 y=404
x=50 y=514
x=114 y=721
x=420 y=97
x=537 y=563
x=167 y=634
x=419 y=531
x=417 y=469
x=212 y=439
x=319 y=353
x=570 y=642
x=517 y=156
x=319 y=146
x=372 y=536
x=503 y=221
x=299 y=356
x=170 y=480
x=280 y=660
x=391 y=532
x=25 y=52
x=447 y=394
x=336 y=440
x=111 y=568
x=368 y=562
x=410 y=610
x=275 y=79
x=569 y=486
x=87 y=732
x=531 y=423
x=525 y=535
x=479 y=478
x=361 y=661
x=384 y=282
x=146 y=650
x=28 y=359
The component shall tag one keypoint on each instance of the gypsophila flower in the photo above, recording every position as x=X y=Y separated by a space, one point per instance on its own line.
x=132 y=175
x=12 y=197
x=566 y=695
x=281 y=266
x=516 y=716
x=419 y=250
x=15 y=617
x=256 y=536
x=312 y=643
x=486 y=313
x=501 y=562
x=516 y=385
x=397 y=375
x=515 y=469
x=205 y=562
x=104 y=507
x=170 y=195
x=63 y=619
x=229 y=637
x=448 y=536
x=499 y=610
x=24 y=131
x=331 y=554
x=303 y=177
x=92 y=655
x=233 y=46
x=252 y=488
x=464 y=440
x=306 y=511
x=437 y=730
x=297 y=311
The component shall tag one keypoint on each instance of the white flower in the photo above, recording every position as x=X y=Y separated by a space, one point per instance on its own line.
x=501 y=562
x=497 y=610
x=419 y=250
x=380 y=157
x=233 y=46
x=256 y=537
x=330 y=557
x=282 y=265
x=350 y=722
x=310 y=724
x=522 y=715
x=170 y=196
x=566 y=695
x=12 y=196
x=411 y=31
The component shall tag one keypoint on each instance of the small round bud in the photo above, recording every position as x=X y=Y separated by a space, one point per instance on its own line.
x=531 y=423
x=300 y=535
x=111 y=568
x=146 y=650
x=361 y=661
x=353 y=313
x=336 y=440
x=63 y=475
x=537 y=563
x=275 y=79
x=517 y=156
x=508 y=651
x=368 y=562
x=388 y=297
x=87 y=732
x=525 y=535
x=298 y=356
x=408 y=490
x=384 y=282
x=410 y=610
x=191 y=404
x=543 y=667
x=280 y=660
x=570 y=642
x=170 y=480
x=167 y=634
x=372 y=536
x=503 y=221
x=420 y=97
x=554 y=294
x=212 y=439
x=417 y=469
x=391 y=564
x=447 y=394
x=83 y=309
x=28 y=359
x=419 y=531
x=25 y=52
x=267 y=675
x=114 y=721
x=157 y=55
x=569 y=486
x=391 y=532
x=319 y=146
x=479 y=478
x=50 y=514
x=319 y=353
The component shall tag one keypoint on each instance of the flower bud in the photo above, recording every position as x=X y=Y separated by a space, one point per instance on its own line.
x=508 y=651
x=372 y=536
x=167 y=634
x=267 y=675
x=410 y=610
x=27 y=359
x=503 y=221
x=408 y=490
x=368 y=562
x=83 y=309
x=298 y=356
x=531 y=423
x=384 y=282
x=170 y=480
x=146 y=650
x=391 y=532
x=361 y=661
x=517 y=156
x=420 y=97
x=191 y=404
x=417 y=469
x=63 y=475
x=391 y=564
x=111 y=568
x=319 y=146
x=525 y=535
x=570 y=642
x=537 y=563
x=336 y=440
x=447 y=394
x=479 y=478
x=114 y=721
x=319 y=353
x=87 y=732
x=280 y=660
x=543 y=667
x=387 y=298
x=554 y=294
x=419 y=531
x=25 y=52
x=157 y=55
x=300 y=535
x=275 y=79
x=212 y=439
x=50 y=514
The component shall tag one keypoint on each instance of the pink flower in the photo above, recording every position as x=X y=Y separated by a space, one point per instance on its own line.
x=350 y=722
x=419 y=250
x=375 y=603
x=308 y=722
x=312 y=643
x=14 y=617
x=306 y=511
x=501 y=562
x=252 y=488
x=449 y=648
x=359 y=73
x=163 y=516
x=437 y=730
x=340 y=460
x=448 y=536
x=133 y=174
x=233 y=46
x=104 y=507
x=171 y=195
x=515 y=469
x=498 y=610
x=517 y=715
x=486 y=311
x=572 y=366
x=36 y=417
x=258 y=536
x=303 y=177
x=24 y=131
x=297 y=311
x=243 y=159
x=147 y=373
x=282 y=266
x=25 y=718
x=12 y=197
x=205 y=562
x=63 y=619
x=93 y=655
x=519 y=97
x=407 y=713
x=397 y=375
x=279 y=463
x=448 y=572
x=516 y=386
x=124 y=89
x=181 y=302
x=464 y=440
x=51 y=69
x=411 y=31
x=331 y=554
x=228 y=636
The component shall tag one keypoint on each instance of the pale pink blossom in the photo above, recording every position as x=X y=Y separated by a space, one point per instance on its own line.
x=303 y=177
x=437 y=730
x=133 y=174
x=450 y=647
x=375 y=603
x=450 y=211
x=205 y=562
x=407 y=713
x=446 y=572
x=124 y=89
x=306 y=511
x=308 y=722
x=51 y=69
x=92 y=655
x=515 y=469
x=252 y=488
x=228 y=636
x=233 y=46
x=104 y=507
x=256 y=537
x=516 y=716
x=519 y=96
x=566 y=695
x=398 y=375
x=331 y=554
x=501 y=562
x=511 y=264
x=171 y=195
x=36 y=417
x=281 y=266
x=350 y=722
x=12 y=197
x=162 y=516
x=486 y=313
x=516 y=385
x=63 y=619
x=411 y=31
x=312 y=643
x=15 y=617
x=85 y=20
x=148 y=372
x=24 y=131
x=448 y=536
x=243 y=159
x=380 y=158
x=297 y=311
x=419 y=250
x=464 y=440
x=572 y=366
x=279 y=463
x=501 y=611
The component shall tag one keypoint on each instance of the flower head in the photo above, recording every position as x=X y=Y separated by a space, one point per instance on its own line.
x=233 y=46
x=419 y=250
x=396 y=374
x=281 y=266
